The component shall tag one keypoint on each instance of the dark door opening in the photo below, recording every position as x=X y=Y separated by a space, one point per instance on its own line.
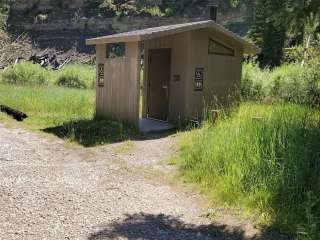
x=159 y=63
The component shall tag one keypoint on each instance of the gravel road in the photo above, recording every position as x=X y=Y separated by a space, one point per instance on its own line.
x=51 y=191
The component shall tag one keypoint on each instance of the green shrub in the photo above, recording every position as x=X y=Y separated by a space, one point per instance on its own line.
x=26 y=73
x=153 y=11
x=72 y=76
x=289 y=82
x=76 y=76
x=264 y=158
x=254 y=82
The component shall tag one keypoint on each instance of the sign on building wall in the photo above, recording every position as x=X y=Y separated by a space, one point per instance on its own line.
x=198 y=79
x=100 y=74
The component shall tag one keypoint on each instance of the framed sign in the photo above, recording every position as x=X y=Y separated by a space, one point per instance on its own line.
x=100 y=74
x=115 y=50
x=176 y=78
x=198 y=79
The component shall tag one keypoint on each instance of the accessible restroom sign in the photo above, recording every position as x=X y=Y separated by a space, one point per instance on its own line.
x=198 y=79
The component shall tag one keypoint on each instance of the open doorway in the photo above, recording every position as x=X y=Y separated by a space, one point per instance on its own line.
x=159 y=64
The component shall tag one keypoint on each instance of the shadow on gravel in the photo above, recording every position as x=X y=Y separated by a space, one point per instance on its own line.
x=95 y=132
x=90 y=133
x=165 y=227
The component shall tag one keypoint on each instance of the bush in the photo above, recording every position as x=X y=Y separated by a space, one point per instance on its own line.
x=254 y=82
x=76 y=76
x=72 y=76
x=264 y=158
x=289 y=82
x=26 y=73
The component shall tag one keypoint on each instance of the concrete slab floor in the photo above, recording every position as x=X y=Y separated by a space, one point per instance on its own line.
x=147 y=125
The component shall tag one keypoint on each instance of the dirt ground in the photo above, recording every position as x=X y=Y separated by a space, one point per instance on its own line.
x=53 y=190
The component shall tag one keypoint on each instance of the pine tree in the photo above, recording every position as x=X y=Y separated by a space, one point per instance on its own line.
x=268 y=33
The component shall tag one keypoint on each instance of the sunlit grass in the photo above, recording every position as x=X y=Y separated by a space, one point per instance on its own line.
x=64 y=112
x=47 y=107
x=28 y=74
x=263 y=158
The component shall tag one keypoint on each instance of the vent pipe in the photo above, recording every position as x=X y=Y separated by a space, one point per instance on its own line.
x=213 y=13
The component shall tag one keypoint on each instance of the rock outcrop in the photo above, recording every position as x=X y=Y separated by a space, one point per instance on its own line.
x=66 y=24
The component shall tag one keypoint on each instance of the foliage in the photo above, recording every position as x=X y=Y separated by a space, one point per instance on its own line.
x=48 y=106
x=158 y=8
x=26 y=73
x=73 y=75
x=76 y=76
x=264 y=158
x=66 y=113
x=4 y=10
x=289 y=82
x=309 y=229
x=268 y=33
x=279 y=24
x=153 y=11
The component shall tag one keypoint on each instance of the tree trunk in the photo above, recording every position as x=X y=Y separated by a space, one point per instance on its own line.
x=306 y=47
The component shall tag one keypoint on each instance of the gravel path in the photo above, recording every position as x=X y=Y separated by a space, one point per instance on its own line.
x=50 y=191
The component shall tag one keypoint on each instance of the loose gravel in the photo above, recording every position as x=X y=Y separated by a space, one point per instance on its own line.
x=51 y=191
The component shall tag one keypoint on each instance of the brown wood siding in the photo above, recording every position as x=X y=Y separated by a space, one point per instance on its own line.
x=119 y=98
x=221 y=73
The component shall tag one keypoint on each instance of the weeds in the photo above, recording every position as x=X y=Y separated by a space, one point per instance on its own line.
x=72 y=76
x=26 y=73
x=309 y=230
x=289 y=82
x=66 y=113
x=76 y=76
x=49 y=106
x=262 y=157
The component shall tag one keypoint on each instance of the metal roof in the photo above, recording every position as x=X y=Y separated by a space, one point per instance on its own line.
x=156 y=32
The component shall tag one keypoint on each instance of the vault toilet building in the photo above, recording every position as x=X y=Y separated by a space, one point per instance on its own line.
x=185 y=67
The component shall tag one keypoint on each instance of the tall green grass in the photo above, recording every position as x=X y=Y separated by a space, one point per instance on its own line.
x=73 y=75
x=66 y=113
x=264 y=158
x=49 y=106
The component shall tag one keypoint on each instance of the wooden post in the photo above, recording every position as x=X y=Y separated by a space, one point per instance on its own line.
x=214 y=116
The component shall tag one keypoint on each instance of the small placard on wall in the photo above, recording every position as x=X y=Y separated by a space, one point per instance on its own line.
x=198 y=79
x=100 y=74
x=176 y=77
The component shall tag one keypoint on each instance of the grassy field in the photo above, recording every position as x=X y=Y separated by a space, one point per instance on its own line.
x=263 y=158
x=67 y=113
x=78 y=76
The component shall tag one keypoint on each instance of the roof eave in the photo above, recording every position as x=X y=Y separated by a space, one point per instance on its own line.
x=101 y=40
x=248 y=47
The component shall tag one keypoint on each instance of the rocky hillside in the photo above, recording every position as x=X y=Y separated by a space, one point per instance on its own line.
x=66 y=24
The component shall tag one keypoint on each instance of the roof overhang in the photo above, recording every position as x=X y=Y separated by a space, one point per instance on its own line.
x=157 y=32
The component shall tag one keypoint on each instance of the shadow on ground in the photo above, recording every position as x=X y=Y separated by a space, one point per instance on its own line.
x=95 y=132
x=165 y=227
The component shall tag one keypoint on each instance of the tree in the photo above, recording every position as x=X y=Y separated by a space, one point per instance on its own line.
x=268 y=33
x=275 y=22
x=303 y=18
